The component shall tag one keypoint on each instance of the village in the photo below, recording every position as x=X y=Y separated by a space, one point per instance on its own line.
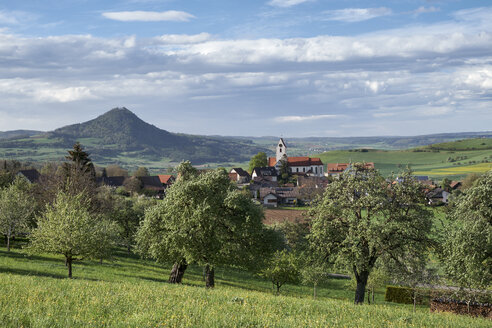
x=284 y=182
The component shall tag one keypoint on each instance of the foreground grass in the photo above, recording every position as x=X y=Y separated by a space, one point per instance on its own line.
x=130 y=292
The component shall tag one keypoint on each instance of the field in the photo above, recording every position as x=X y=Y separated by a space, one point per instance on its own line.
x=437 y=163
x=130 y=292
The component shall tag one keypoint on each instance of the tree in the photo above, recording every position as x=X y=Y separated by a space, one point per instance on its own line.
x=142 y=171
x=314 y=273
x=16 y=209
x=203 y=220
x=258 y=160
x=79 y=161
x=128 y=213
x=133 y=185
x=467 y=239
x=284 y=169
x=68 y=228
x=446 y=184
x=186 y=171
x=282 y=269
x=362 y=218
x=116 y=171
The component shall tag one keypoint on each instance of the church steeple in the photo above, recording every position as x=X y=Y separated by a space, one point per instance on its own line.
x=281 y=149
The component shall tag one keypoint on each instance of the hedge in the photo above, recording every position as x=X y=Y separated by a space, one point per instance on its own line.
x=399 y=294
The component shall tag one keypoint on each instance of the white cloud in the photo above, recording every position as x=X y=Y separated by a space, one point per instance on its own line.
x=149 y=16
x=296 y=118
x=286 y=3
x=351 y=15
x=183 y=38
x=15 y=17
x=426 y=10
x=414 y=76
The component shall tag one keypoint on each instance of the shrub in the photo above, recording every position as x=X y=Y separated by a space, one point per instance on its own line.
x=399 y=294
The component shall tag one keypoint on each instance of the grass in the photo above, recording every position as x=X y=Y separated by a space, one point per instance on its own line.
x=465 y=144
x=432 y=163
x=130 y=292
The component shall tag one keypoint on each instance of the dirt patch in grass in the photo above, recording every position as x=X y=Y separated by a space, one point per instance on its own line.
x=278 y=216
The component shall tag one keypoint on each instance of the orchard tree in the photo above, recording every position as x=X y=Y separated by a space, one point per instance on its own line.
x=16 y=209
x=68 y=228
x=467 y=238
x=202 y=220
x=362 y=218
x=258 y=160
x=313 y=273
x=186 y=171
x=283 y=268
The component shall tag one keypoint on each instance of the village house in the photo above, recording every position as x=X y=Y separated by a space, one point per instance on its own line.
x=310 y=166
x=279 y=196
x=166 y=179
x=265 y=173
x=239 y=175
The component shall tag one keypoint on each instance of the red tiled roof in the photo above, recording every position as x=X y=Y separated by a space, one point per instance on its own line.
x=297 y=161
x=340 y=167
x=165 y=178
x=336 y=167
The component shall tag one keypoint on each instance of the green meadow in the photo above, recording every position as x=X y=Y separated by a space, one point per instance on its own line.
x=434 y=163
x=131 y=292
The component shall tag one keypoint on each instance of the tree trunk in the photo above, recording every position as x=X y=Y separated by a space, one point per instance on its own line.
x=8 y=235
x=361 y=286
x=178 y=271
x=372 y=292
x=209 y=276
x=69 y=264
x=369 y=296
x=278 y=288
x=314 y=291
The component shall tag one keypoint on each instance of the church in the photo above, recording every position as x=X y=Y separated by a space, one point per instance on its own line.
x=311 y=166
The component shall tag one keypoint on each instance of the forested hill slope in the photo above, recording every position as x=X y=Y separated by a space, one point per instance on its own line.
x=119 y=136
x=121 y=127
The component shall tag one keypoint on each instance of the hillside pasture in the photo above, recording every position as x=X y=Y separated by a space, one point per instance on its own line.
x=130 y=292
x=428 y=162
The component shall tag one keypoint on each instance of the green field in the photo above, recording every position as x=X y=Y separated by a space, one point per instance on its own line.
x=435 y=163
x=130 y=292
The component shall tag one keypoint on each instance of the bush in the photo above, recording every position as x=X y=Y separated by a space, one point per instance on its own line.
x=403 y=295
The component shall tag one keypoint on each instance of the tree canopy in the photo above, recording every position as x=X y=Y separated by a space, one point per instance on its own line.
x=467 y=239
x=16 y=209
x=362 y=218
x=203 y=220
x=69 y=229
x=258 y=160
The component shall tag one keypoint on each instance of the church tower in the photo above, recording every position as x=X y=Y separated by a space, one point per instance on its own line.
x=281 y=149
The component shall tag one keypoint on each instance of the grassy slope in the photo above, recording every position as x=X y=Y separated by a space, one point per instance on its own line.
x=465 y=144
x=424 y=163
x=130 y=292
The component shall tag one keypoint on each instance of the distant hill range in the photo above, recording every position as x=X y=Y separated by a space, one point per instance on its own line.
x=119 y=133
x=18 y=134
x=120 y=137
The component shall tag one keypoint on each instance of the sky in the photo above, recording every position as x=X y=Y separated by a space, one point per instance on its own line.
x=292 y=68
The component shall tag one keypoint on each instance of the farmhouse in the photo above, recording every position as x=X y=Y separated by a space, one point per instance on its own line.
x=304 y=165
